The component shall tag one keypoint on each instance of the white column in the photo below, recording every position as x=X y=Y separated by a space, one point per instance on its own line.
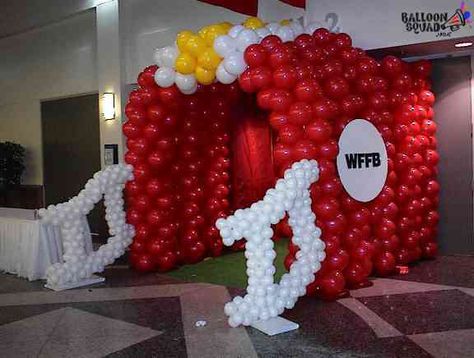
x=109 y=73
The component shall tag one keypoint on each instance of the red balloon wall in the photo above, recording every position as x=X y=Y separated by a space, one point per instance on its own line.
x=309 y=89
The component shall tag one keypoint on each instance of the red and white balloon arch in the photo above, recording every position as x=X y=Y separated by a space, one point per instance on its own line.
x=308 y=83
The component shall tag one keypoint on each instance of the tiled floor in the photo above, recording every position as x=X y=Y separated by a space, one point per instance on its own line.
x=427 y=313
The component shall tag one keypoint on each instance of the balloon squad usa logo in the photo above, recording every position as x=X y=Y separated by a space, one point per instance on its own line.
x=441 y=23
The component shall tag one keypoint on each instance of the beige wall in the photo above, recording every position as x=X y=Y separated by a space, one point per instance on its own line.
x=58 y=60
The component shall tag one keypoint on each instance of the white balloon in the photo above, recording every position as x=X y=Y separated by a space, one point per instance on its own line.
x=224 y=45
x=70 y=216
x=296 y=26
x=265 y=299
x=157 y=57
x=235 y=63
x=190 y=90
x=235 y=30
x=165 y=77
x=223 y=76
x=285 y=33
x=185 y=82
x=246 y=38
x=263 y=32
x=168 y=56
x=273 y=27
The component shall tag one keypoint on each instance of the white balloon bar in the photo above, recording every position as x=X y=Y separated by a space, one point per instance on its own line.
x=265 y=299
x=78 y=267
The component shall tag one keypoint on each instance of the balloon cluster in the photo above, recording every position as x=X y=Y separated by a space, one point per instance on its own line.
x=312 y=87
x=178 y=145
x=310 y=83
x=70 y=216
x=214 y=52
x=264 y=298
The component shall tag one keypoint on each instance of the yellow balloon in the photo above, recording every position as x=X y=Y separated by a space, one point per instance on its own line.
x=253 y=23
x=213 y=32
x=202 y=32
x=285 y=22
x=226 y=26
x=182 y=38
x=203 y=76
x=185 y=63
x=195 y=45
x=209 y=59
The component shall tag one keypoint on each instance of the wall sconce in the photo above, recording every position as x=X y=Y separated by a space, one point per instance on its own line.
x=108 y=105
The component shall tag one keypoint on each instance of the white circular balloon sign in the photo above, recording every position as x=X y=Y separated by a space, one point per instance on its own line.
x=362 y=160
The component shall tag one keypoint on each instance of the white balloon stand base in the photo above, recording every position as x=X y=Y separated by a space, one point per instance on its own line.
x=69 y=285
x=275 y=325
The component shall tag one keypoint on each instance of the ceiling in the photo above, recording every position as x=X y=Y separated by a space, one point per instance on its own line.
x=17 y=16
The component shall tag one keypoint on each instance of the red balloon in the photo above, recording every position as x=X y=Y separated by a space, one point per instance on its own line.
x=166 y=261
x=391 y=244
x=352 y=104
x=279 y=56
x=426 y=98
x=355 y=273
x=307 y=90
x=328 y=150
x=255 y=55
x=332 y=187
x=402 y=81
x=195 y=252
x=327 y=169
x=336 y=87
x=284 y=76
x=133 y=158
x=261 y=77
x=144 y=263
x=342 y=41
x=141 y=173
x=141 y=146
x=392 y=66
x=336 y=226
x=290 y=134
x=430 y=250
x=155 y=247
x=431 y=157
x=299 y=113
x=326 y=208
x=338 y=261
x=280 y=100
x=325 y=109
x=246 y=81
x=332 y=285
x=304 y=149
x=422 y=68
x=278 y=120
x=270 y=42
x=348 y=55
x=319 y=131
x=384 y=264
x=131 y=130
x=360 y=217
x=304 y=40
x=157 y=160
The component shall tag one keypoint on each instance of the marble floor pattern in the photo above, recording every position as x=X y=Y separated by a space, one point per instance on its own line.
x=427 y=313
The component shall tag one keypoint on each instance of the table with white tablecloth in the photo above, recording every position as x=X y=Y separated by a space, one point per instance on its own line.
x=28 y=247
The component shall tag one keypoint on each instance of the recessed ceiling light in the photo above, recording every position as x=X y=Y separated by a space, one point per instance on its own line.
x=463 y=44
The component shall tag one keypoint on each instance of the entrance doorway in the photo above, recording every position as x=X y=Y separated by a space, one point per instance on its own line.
x=71 y=152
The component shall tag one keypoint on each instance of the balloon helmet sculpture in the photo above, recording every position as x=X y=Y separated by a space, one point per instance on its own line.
x=309 y=83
